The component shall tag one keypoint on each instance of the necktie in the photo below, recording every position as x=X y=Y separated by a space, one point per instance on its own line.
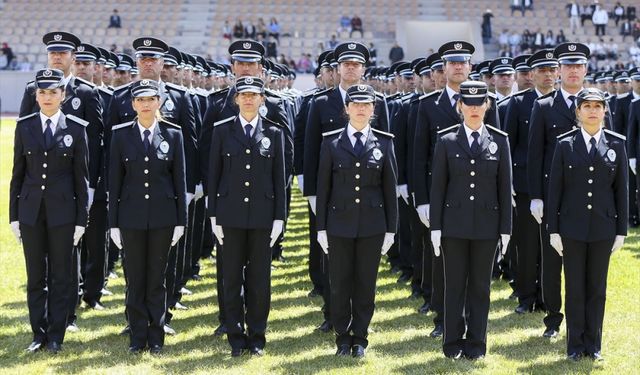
x=48 y=135
x=358 y=146
x=247 y=130
x=592 y=151
x=145 y=140
x=455 y=99
x=475 y=146
x=572 y=107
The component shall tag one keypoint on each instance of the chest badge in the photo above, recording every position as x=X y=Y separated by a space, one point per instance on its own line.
x=164 y=147
x=266 y=142
x=493 y=147
x=611 y=154
x=75 y=103
x=169 y=105
x=377 y=154
x=263 y=110
x=68 y=140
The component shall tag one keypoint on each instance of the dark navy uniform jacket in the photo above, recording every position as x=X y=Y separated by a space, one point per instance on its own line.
x=516 y=124
x=399 y=128
x=147 y=191
x=471 y=195
x=247 y=177
x=588 y=199
x=633 y=128
x=621 y=114
x=58 y=175
x=327 y=113
x=300 y=123
x=83 y=101
x=357 y=194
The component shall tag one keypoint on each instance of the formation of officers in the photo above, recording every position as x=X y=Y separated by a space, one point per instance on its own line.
x=437 y=163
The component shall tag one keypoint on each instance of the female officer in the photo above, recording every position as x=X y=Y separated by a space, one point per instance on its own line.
x=357 y=216
x=470 y=211
x=48 y=205
x=246 y=205
x=587 y=217
x=147 y=210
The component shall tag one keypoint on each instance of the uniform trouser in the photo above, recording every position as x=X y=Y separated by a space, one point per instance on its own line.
x=315 y=254
x=170 y=282
x=526 y=241
x=220 y=283
x=326 y=288
x=403 y=238
x=551 y=270
x=183 y=257
x=248 y=250
x=187 y=270
x=114 y=254
x=95 y=243
x=197 y=235
x=467 y=269
x=585 y=269
x=208 y=242
x=145 y=258
x=421 y=261
x=47 y=253
x=633 y=199
x=437 y=285
x=276 y=251
x=76 y=284
x=353 y=272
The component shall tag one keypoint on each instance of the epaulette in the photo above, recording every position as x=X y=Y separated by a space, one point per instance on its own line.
x=505 y=99
x=224 y=121
x=450 y=128
x=617 y=135
x=121 y=87
x=620 y=96
x=321 y=92
x=546 y=95
x=78 y=120
x=634 y=100
x=407 y=96
x=272 y=93
x=379 y=94
x=521 y=92
x=383 y=133
x=497 y=130
x=430 y=94
x=568 y=133
x=31 y=81
x=90 y=84
x=270 y=121
x=175 y=87
x=26 y=117
x=121 y=126
x=325 y=134
x=104 y=89
x=171 y=124
x=491 y=95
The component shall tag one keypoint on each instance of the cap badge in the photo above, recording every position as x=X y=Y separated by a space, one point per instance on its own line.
x=504 y=61
x=246 y=45
x=362 y=88
x=47 y=73
x=457 y=46
x=549 y=55
x=57 y=37
x=144 y=82
x=80 y=49
x=352 y=46
x=147 y=42
x=473 y=90
x=572 y=47
x=248 y=80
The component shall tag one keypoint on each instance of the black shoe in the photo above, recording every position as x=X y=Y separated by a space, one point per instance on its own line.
x=36 y=345
x=343 y=350
x=357 y=351
x=237 y=352
x=437 y=331
x=513 y=295
x=454 y=355
x=424 y=308
x=256 y=352
x=95 y=305
x=221 y=330
x=196 y=277
x=325 y=327
x=125 y=331
x=575 y=357
x=280 y=258
x=314 y=293
x=550 y=333
x=136 y=349
x=597 y=357
x=54 y=347
x=474 y=357
x=415 y=294
x=395 y=269
x=155 y=349
x=523 y=308
x=404 y=278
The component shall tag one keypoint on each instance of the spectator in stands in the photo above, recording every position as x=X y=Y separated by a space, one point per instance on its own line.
x=333 y=42
x=560 y=38
x=274 y=28
x=634 y=53
x=304 y=64
x=272 y=46
x=356 y=25
x=8 y=53
x=505 y=52
x=226 y=30
x=113 y=48
x=25 y=65
x=527 y=5
x=373 y=55
x=516 y=5
x=250 y=30
x=114 y=20
x=592 y=66
x=573 y=11
x=526 y=41
x=625 y=29
x=549 y=40
x=261 y=28
x=618 y=12
x=514 y=43
x=345 y=25
x=238 y=29
x=586 y=14
x=599 y=50
x=396 y=53
x=600 y=19
x=503 y=39
x=486 y=26
x=636 y=30
x=538 y=40
x=631 y=13
x=611 y=49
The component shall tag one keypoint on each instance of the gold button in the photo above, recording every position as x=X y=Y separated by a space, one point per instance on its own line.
x=246 y=183
x=589 y=206
x=357 y=177
x=44 y=165
x=473 y=173
x=471 y=198
x=472 y=186
x=590 y=181
x=248 y=166
x=357 y=188
x=146 y=184
x=146 y=158
x=591 y=169
x=146 y=171
x=247 y=151
x=44 y=176
x=473 y=161
x=246 y=199
x=357 y=164
x=146 y=196
x=357 y=200
x=42 y=187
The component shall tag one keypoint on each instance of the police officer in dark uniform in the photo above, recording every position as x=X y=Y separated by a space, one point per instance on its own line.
x=587 y=217
x=247 y=207
x=633 y=126
x=48 y=205
x=147 y=210
x=470 y=211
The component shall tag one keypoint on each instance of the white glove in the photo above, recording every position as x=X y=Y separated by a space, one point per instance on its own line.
x=403 y=191
x=312 y=203
x=617 y=244
x=632 y=165
x=276 y=230
x=556 y=242
x=114 y=233
x=178 y=231
x=15 y=227
x=423 y=214
x=300 y=178
x=77 y=235
x=323 y=241
x=389 y=239
x=436 y=238
x=91 y=193
x=199 y=192
x=537 y=209
x=217 y=230
x=190 y=197
x=505 y=238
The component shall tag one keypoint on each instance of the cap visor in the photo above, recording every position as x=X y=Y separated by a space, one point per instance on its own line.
x=153 y=55
x=59 y=48
x=254 y=90
x=457 y=58
x=570 y=61
x=353 y=58
x=473 y=101
x=246 y=58
x=49 y=85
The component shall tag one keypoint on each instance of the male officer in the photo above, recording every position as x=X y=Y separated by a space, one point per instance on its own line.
x=526 y=237
x=524 y=78
x=503 y=76
x=123 y=70
x=326 y=113
x=436 y=112
x=633 y=125
x=552 y=115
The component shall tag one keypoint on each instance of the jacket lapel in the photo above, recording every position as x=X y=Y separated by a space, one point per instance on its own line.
x=603 y=145
x=70 y=92
x=444 y=103
x=257 y=132
x=560 y=105
x=372 y=142
x=136 y=137
x=345 y=142
x=36 y=131
x=61 y=126
x=581 y=147
x=461 y=138
x=238 y=132
x=157 y=138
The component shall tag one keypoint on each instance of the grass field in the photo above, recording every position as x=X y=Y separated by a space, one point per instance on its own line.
x=399 y=342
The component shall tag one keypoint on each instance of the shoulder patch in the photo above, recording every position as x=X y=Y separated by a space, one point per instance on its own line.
x=450 y=128
x=224 y=121
x=568 y=133
x=122 y=87
x=26 y=117
x=78 y=120
x=171 y=124
x=90 y=84
x=325 y=134
x=121 y=126
x=383 y=133
x=617 y=135
x=175 y=87
x=493 y=128
x=432 y=93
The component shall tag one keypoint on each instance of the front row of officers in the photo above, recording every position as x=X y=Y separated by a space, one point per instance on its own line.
x=449 y=175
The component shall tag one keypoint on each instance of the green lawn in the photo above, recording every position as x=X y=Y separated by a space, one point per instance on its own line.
x=399 y=342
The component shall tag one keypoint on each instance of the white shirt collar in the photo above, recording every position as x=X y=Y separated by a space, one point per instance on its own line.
x=343 y=93
x=451 y=92
x=54 y=121
x=538 y=92
x=66 y=79
x=566 y=95
x=253 y=123
x=365 y=134
x=469 y=131
x=152 y=128
x=635 y=96
x=587 y=138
